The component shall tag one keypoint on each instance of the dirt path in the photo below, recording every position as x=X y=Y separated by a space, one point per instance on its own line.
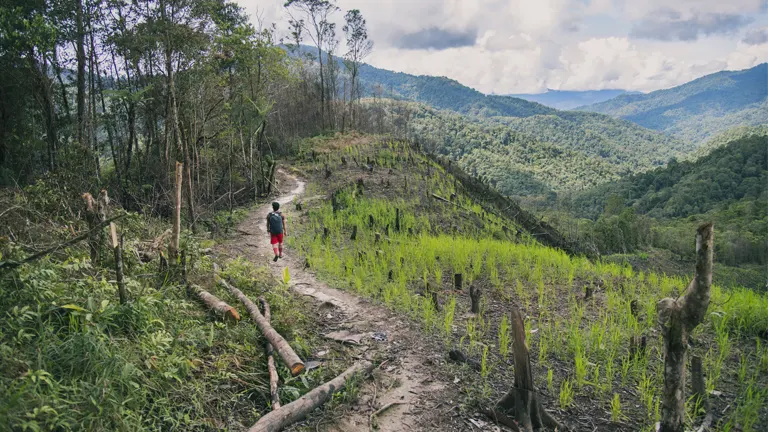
x=420 y=397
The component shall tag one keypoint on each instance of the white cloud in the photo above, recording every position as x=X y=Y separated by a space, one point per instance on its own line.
x=516 y=46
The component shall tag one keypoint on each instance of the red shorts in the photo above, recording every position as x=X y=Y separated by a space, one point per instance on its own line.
x=276 y=238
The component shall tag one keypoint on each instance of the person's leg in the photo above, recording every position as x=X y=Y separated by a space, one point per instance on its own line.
x=280 y=247
x=274 y=243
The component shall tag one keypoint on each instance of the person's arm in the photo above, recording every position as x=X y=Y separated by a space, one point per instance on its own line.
x=285 y=226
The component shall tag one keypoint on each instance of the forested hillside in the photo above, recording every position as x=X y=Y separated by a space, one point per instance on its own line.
x=697 y=110
x=727 y=186
x=534 y=155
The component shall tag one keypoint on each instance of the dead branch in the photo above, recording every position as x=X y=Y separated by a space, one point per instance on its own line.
x=300 y=408
x=278 y=342
x=273 y=377
x=13 y=264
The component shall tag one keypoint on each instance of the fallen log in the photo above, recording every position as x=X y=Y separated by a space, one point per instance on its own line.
x=301 y=407
x=273 y=377
x=278 y=342
x=215 y=304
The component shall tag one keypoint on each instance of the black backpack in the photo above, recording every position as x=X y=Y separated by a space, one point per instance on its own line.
x=275 y=223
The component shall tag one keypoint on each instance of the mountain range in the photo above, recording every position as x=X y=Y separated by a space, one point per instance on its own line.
x=570 y=99
x=700 y=109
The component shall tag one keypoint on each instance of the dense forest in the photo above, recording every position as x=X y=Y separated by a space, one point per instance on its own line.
x=656 y=207
x=698 y=110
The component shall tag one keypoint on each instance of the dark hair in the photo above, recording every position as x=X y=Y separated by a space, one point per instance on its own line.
x=275 y=205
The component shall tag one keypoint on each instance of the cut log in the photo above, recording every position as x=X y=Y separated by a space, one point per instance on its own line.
x=301 y=407
x=474 y=296
x=215 y=304
x=520 y=408
x=273 y=377
x=278 y=342
x=678 y=317
x=117 y=247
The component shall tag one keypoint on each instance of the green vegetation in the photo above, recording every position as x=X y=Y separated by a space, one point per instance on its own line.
x=73 y=358
x=700 y=109
x=659 y=207
x=588 y=339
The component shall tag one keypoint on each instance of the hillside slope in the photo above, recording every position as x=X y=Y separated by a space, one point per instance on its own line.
x=699 y=109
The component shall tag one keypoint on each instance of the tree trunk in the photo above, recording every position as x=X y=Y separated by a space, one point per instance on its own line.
x=173 y=248
x=520 y=409
x=80 y=54
x=92 y=218
x=678 y=319
x=220 y=307
x=117 y=246
x=273 y=377
x=300 y=408
x=285 y=351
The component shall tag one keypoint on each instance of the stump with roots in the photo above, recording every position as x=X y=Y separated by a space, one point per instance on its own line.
x=521 y=408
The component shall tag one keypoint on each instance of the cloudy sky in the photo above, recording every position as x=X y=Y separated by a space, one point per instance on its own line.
x=527 y=46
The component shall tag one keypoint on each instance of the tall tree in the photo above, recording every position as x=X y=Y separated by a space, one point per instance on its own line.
x=319 y=28
x=358 y=48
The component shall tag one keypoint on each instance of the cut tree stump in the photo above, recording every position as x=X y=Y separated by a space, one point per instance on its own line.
x=678 y=317
x=371 y=221
x=273 y=377
x=215 y=304
x=353 y=237
x=520 y=409
x=278 y=342
x=474 y=295
x=457 y=281
x=301 y=407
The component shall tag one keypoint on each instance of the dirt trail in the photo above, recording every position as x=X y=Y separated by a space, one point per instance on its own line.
x=421 y=398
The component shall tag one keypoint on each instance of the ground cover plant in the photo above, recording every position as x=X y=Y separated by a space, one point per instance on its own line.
x=591 y=325
x=73 y=358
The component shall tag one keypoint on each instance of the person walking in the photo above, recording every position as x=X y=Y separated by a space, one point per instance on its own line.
x=277 y=229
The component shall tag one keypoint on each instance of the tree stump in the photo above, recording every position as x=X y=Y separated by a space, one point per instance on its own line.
x=377 y=238
x=117 y=247
x=587 y=292
x=521 y=409
x=353 y=237
x=390 y=276
x=457 y=281
x=435 y=302
x=343 y=161
x=326 y=233
x=474 y=295
x=634 y=308
x=173 y=248
x=397 y=219
x=371 y=221
x=298 y=206
x=678 y=317
x=697 y=382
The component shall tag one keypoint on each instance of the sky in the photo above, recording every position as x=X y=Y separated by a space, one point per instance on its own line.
x=528 y=46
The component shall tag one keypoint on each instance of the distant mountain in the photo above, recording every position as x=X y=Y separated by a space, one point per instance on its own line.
x=699 y=109
x=522 y=147
x=567 y=99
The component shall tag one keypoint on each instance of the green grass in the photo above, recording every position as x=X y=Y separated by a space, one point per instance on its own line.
x=438 y=239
